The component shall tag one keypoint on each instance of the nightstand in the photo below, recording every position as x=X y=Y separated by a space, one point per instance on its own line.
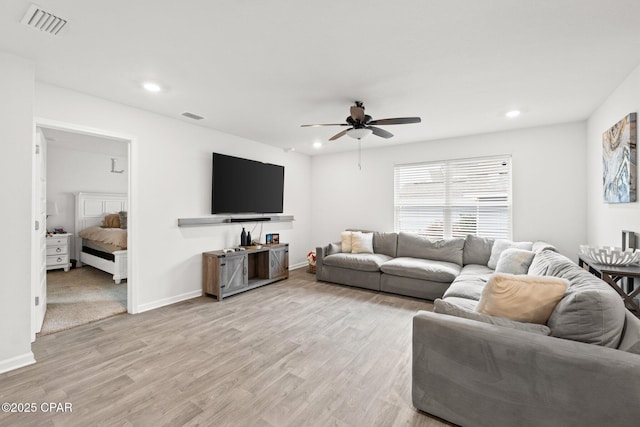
x=58 y=251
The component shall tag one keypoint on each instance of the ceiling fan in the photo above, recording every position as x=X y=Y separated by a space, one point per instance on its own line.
x=363 y=125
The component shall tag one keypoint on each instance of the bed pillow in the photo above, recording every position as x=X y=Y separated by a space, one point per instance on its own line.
x=111 y=221
x=345 y=239
x=123 y=219
x=514 y=261
x=361 y=243
x=528 y=299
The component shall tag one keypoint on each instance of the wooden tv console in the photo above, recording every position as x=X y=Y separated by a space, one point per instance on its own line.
x=228 y=273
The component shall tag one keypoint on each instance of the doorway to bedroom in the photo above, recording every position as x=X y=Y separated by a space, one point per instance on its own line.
x=83 y=193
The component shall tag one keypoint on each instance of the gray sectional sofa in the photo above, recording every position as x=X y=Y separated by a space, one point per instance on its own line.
x=408 y=264
x=580 y=369
x=403 y=263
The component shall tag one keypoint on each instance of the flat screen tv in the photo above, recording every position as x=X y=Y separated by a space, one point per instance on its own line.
x=245 y=186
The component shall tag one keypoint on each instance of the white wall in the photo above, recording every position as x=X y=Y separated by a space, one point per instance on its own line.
x=606 y=221
x=71 y=170
x=171 y=179
x=16 y=136
x=548 y=183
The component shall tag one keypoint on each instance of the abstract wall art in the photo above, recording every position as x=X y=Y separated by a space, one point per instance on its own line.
x=619 y=161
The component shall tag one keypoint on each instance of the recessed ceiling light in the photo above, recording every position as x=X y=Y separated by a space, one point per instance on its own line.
x=317 y=144
x=151 y=86
x=512 y=114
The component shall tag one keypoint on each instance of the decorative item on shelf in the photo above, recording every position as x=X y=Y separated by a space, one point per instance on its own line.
x=610 y=255
x=275 y=238
x=269 y=239
x=243 y=238
x=311 y=257
x=249 y=240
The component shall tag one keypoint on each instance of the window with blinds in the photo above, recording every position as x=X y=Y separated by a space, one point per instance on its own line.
x=454 y=198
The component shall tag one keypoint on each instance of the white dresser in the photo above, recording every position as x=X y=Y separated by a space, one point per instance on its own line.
x=58 y=251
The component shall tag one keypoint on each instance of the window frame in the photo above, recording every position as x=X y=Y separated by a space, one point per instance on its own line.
x=451 y=206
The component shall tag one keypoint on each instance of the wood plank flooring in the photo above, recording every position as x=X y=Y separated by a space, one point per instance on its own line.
x=293 y=353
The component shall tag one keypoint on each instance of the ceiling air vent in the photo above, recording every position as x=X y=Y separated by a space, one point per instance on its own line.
x=192 y=116
x=42 y=20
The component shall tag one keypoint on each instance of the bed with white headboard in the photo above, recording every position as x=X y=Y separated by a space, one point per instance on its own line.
x=91 y=208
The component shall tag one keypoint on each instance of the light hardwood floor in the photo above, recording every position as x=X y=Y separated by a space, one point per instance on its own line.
x=293 y=353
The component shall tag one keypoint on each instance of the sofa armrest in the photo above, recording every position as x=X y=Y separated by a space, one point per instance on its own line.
x=321 y=252
x=473 y=373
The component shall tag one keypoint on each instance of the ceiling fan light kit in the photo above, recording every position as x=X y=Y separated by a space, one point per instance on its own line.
x=359 y=133
x=362 y=124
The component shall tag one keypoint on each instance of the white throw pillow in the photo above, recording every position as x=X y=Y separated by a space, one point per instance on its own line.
x=345 y=240
x=500 y=245
x=514 y=261
x=525 y=298
x=361 y=243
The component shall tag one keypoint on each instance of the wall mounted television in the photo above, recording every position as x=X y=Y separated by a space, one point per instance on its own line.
x=245 y=186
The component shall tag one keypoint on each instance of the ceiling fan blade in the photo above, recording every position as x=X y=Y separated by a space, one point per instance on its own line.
x=380 y=132
x=396 y=121
x=338 y=135
x=357 y=113
x=324 y=124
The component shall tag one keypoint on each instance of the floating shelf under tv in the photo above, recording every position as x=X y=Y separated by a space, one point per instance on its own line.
x=223 y=220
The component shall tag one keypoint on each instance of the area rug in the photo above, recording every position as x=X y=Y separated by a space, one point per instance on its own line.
x=80 y=296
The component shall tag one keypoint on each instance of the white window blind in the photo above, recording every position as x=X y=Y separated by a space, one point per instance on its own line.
x=454 y=198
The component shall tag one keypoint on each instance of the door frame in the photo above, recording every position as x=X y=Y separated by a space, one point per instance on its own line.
x=38 y=246
x=132 y=161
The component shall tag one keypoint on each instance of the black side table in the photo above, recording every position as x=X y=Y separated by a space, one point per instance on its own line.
x=613 y=275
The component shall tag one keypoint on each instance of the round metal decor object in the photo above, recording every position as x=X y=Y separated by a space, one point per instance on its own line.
x=610 y=255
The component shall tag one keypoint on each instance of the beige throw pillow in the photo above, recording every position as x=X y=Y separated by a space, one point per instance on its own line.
x=523 y=298
x=361 y=243
x=111 y=221
x=345 y=240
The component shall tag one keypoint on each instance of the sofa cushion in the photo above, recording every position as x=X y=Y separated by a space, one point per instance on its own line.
x=523 y=298
x=477 y=250
x=334 y=248
x=361 y=262
x=415 y=246
x=447 y=307
x=591 y=311
x=385 y=243
x=500 y=245
x=425 y=269
x=361 y=243
x=540 y=263
x=631 y=339
x=514 y=261
x=469 y=283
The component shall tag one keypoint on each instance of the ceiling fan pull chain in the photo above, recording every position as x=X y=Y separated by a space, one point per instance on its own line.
x=360 y=154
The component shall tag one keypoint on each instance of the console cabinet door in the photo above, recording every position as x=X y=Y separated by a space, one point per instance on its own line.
x=233 y=273
x=279 y=262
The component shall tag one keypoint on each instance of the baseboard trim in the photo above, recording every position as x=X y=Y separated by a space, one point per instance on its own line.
x=168 y=301
x=298 y=265
x=17 y=362
x=194 y=294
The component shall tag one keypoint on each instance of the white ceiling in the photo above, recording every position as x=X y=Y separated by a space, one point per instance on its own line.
x=260 y=69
